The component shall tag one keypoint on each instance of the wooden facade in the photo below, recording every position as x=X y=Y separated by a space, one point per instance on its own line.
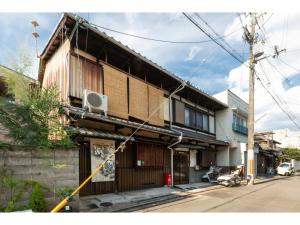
x=135 y=88
x=84 y=74
x=57 y=71
x=129 y=176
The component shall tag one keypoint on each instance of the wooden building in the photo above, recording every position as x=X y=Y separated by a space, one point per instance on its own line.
x=79 y=57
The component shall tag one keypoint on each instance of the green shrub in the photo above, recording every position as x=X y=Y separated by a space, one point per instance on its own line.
x=37 y=200
x=65 y=192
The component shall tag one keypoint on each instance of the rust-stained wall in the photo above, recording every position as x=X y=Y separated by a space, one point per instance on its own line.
x=84 y=74
x=57 y=72
x=115 y=87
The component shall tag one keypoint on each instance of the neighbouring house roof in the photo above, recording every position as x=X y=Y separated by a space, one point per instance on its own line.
x=99 y=133
x=4 y=70
x=71 y=19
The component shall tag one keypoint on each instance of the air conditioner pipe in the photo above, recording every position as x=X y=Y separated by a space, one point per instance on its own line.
x=171 y=128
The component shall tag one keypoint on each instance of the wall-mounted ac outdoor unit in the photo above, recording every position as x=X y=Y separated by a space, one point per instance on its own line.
x=94 y=102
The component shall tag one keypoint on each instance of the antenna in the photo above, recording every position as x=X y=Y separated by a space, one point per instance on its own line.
x=36 y=36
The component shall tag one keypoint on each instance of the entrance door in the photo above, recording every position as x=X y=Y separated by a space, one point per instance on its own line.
x=181 y=167
x=91 y=188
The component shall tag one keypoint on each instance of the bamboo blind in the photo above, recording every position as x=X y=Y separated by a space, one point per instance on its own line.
x=115 y=87
x=156 y=99
x=138 y=99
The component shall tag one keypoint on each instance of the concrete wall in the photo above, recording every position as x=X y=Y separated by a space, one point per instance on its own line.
x=224 y=119
x=223 y=156
x=54 y=169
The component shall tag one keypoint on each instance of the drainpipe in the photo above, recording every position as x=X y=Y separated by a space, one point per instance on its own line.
x=171 y=128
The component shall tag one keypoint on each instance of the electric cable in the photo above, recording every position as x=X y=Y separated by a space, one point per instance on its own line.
x=160 y=40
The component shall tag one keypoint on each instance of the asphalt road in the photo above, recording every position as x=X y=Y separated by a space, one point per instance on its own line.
x=276 y=196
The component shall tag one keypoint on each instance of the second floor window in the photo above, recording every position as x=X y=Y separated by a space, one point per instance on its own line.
x=239 y=120
x=195 y=119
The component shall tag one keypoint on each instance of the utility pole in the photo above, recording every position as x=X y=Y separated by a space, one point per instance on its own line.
x=250 y=151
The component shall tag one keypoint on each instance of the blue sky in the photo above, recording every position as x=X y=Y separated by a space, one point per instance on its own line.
x=205 y=65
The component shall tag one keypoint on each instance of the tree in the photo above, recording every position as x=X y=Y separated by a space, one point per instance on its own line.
x=291 y=153
x=32 y=114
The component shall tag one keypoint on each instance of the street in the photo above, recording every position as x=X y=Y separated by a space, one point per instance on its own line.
x=277 y=196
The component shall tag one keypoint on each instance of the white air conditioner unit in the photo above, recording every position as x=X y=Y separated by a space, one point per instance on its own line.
x=94 y=102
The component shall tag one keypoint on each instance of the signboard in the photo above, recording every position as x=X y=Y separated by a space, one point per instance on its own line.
x=100 y=151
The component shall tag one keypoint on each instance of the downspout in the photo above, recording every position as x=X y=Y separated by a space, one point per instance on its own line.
x=171 y=128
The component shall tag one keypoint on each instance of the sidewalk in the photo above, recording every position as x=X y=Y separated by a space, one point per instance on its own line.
x=134 y=200
x=131 y=200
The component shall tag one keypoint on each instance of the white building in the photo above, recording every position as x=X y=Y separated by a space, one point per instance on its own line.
x=287 y=138
x=231 y=126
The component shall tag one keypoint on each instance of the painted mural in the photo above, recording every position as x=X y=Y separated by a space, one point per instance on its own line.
x=100 y=151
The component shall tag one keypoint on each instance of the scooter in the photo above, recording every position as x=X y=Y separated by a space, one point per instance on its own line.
x=212 y=174
x=229 y=180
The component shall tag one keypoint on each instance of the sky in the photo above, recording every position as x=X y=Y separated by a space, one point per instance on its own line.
x=205 y=65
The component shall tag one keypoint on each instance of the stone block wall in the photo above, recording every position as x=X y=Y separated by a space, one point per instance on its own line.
x=54 y=169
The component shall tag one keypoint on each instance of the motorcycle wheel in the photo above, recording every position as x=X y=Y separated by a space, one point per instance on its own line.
x=237 y=181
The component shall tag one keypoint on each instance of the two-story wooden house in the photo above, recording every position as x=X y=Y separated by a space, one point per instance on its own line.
x=90 y=67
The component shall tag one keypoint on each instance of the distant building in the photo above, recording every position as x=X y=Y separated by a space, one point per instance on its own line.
x=231 y=126
x=287 y=138
x=267 y=153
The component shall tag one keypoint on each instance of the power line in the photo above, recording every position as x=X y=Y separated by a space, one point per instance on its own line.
x=283 y=110
x=219 y=36
x=289 y=65
x=279 y=72
x=160 y=40
x=208 y=35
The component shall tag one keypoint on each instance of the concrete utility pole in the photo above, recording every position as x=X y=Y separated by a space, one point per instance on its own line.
x=250 y=150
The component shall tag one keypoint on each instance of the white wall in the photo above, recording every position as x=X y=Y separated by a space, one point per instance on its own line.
x=193 y=159
x=223 y=156
x=224 y=119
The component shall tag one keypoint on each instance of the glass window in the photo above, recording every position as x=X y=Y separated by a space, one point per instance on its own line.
x=205 y=122
x=192 y=118
x=199 y=120
x=186 y=117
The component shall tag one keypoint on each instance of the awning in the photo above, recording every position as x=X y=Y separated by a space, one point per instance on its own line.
x=197 y=136
x=98 y=133
x=191 y=146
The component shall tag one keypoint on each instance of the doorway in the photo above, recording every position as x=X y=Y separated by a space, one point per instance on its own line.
x=181 y=167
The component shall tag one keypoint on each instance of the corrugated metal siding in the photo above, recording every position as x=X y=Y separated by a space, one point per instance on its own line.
x=84 y=75
x=56 y=71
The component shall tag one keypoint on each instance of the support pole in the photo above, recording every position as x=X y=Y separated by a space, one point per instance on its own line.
x=250 y=150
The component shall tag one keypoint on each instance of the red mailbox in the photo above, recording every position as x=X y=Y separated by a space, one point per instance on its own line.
x=168 y=179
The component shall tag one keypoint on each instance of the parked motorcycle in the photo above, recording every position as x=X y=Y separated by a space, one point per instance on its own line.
x=230 y=180
x=212 y=174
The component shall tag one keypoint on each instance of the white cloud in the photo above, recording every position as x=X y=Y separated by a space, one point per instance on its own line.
x=277 y=33
x=194 y=50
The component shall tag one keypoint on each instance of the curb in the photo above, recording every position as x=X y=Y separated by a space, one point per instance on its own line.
x=275 y=178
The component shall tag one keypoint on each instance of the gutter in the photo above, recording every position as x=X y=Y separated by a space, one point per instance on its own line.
x=171 y=128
